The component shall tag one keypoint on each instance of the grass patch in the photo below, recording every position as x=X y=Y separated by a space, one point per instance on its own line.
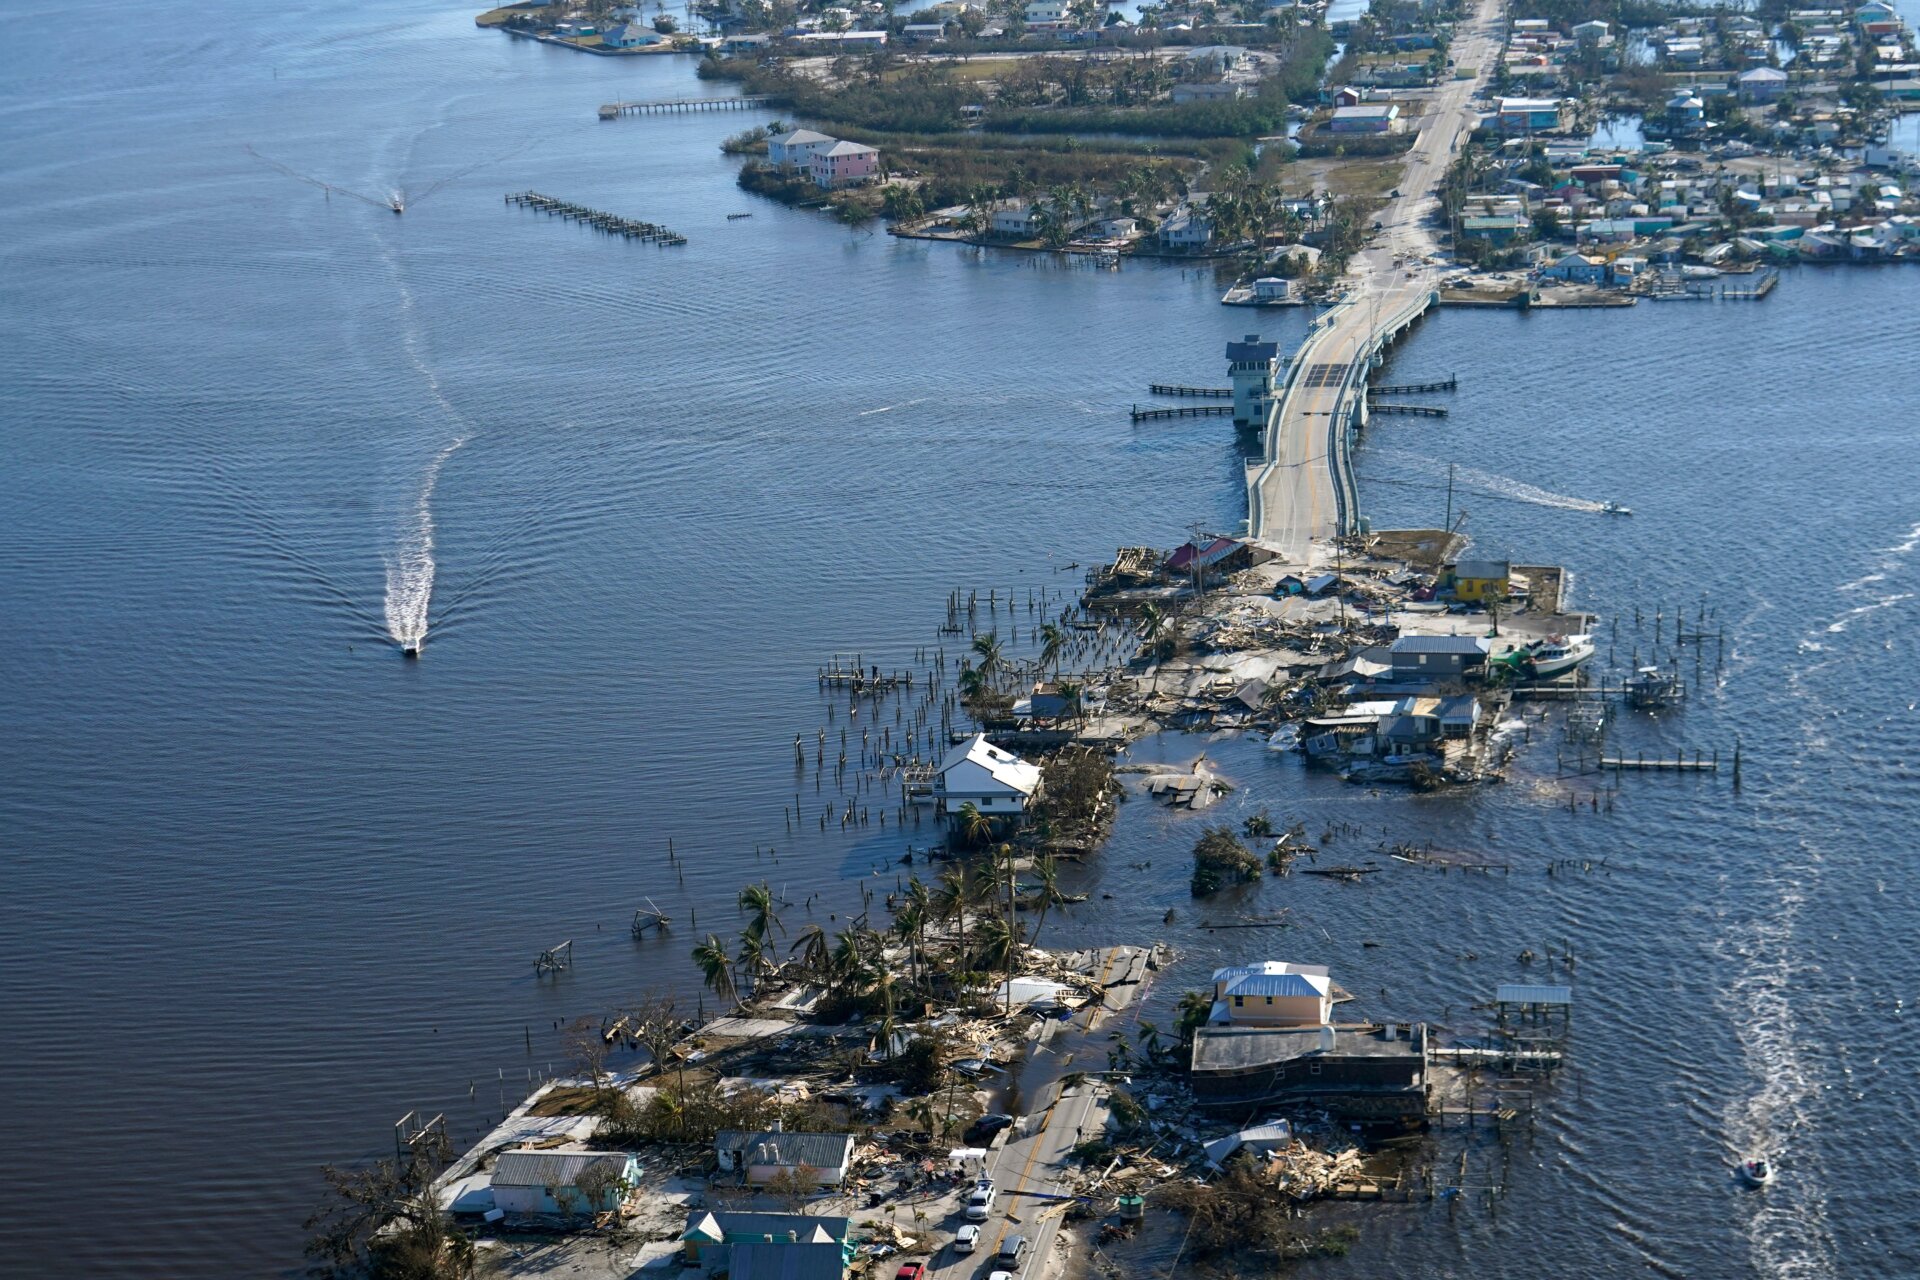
x=566 y=1100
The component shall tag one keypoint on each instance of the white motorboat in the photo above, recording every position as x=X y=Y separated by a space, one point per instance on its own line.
x=1554 y=656
x=1615 y=509
x=1756 y=1171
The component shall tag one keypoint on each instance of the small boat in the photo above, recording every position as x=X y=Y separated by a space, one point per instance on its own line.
x=735 y=217
x=410 y=648
x=397 y=202
x=1756 y=1171
x=1614 y=509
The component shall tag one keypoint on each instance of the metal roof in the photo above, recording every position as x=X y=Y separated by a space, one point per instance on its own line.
x=718 y=1225
x=782 y=1260
x=789 y=1150
x=1470 y=645
x=1527 y=993
x=1279 y=984
x=551 y=1168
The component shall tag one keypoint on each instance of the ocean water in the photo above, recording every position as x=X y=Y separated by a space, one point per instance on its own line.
x=271 y=885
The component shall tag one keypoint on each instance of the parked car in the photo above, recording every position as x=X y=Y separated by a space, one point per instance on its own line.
x=911 y=1271
x=1012 y=1249
x=967 y=1239
x=981 y=1131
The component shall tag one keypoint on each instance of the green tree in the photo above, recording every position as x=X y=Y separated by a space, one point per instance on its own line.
x=716 y=967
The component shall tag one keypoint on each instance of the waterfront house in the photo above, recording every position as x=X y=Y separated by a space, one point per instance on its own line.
x=796 y=149
x=1762 y=84
x=1685 y=111
x=1188 y=228
x=1354 y=1073
x=1348 y=96
x=1271 y=993
x=553 y=1183
x=923 y=32
x=1577 y=268
x=1459 y=715
x=1012 y=218
x=1203 y=556
x=762 y=1157
x=629 y=35
x=1120 y=228
x=1272 y=289
x=1370 y=117
x=844 y=164
x=1479 y=579
x=1437 y=657
x=997 y=783
x=1046 y=13
x=786 y=1260
x=1497 y=230
x=1527 y=115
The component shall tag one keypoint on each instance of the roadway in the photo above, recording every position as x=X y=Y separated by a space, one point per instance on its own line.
x=1293 y=501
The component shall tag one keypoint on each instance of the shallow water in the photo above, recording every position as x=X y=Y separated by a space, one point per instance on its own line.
x=635 y=496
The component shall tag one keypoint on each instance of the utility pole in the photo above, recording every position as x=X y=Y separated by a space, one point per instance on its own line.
x=1448 y=524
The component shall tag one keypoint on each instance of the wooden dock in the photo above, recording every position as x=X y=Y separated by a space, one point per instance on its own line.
x=1699 y=763
x=1405 y=410
x=1184 y=411
x=1411 y=388
x=1175 y=389
x=612 y=224
x=669 y=106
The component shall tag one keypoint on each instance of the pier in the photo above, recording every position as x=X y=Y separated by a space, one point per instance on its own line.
x=1301 y=492
x=1174 y=389
x=1184 y=411
x=1407 y=410
x=1414 y=388
x=613 y=224
x=668 y=106
x=1678 y=761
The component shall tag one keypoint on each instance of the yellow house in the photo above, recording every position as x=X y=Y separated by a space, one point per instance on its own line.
x=1481 y=579
x=1271 y=993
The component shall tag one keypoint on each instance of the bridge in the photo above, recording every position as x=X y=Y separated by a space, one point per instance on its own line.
x=1300 y=492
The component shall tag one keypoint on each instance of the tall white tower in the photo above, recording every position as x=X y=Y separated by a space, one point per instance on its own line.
x=1255 y=365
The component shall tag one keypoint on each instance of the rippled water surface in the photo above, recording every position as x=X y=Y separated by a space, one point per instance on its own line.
x=270 y=885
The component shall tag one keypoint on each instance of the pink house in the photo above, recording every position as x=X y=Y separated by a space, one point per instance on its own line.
x=844 y=164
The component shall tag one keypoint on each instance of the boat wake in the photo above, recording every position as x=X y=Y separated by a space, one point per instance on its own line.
x=1487 y=482
x=889 y=408
x=410 y=564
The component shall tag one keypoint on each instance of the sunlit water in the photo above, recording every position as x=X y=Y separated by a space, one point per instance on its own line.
x=271 y=885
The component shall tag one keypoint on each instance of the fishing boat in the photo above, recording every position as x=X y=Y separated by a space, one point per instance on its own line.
x=1756 y=1171
x=1553 y=656
x=1648 y=689
x=1615 y=509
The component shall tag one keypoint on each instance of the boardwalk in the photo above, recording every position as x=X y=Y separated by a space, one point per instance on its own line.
x=669 y=106
x=1300 y=494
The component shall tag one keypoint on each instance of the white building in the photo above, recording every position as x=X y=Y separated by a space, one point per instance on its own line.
x=796 y=150
x=762 y=1157
x=1255 y=367
x=1188 y=228
x=997 y=783
x=1012 y=218
x=1046 y=12
x=562 y=1182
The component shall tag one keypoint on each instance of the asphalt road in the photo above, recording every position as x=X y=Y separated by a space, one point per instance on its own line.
x=1293 y=504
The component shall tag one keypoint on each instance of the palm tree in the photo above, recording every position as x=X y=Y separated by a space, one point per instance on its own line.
x=1053 y=639
x=975 y=826
x=759 y=899
x=816 y=954
x=1150 y=1038
x=716 y=966
x=754 y=961
x=1070 y=694
x=952 y=899
x=1191 y=1014
x=992 y=661
x=1049 y=872
x=854 y=954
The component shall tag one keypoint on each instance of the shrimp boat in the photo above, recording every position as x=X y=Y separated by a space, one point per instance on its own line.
x=1756 y=1171
x=1550 y=657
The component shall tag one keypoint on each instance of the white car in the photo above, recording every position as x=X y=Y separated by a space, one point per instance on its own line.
x=1000 y=1275
x=980 y=1203
x=967 y=1239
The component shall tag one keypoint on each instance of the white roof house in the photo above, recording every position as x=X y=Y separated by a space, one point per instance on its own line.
x=997 y=783
x=797 y=147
